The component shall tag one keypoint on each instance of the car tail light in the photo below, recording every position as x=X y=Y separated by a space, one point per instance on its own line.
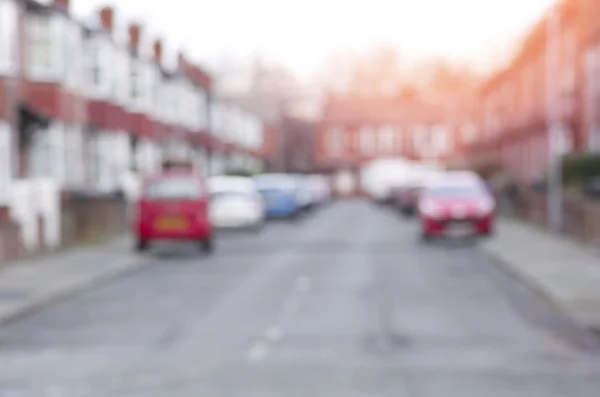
x=486 y=207
x=429 y=208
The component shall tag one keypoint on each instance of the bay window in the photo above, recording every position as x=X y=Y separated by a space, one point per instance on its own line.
x=95 y=64
x=42 y=60
x=93 y=153
x=203 y=105
x=122 y=84
x=41 y=155
x=134 y=77
x=74 y=156
x=8 y=37
x=73 y=59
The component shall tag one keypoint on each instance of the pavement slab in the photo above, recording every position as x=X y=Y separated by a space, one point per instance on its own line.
x=565 y=272
x=29 y=285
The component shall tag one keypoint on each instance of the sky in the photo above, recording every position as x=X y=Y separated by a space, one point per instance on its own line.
x=301 y=34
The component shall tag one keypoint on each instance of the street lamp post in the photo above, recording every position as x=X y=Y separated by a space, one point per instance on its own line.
x=554 y=192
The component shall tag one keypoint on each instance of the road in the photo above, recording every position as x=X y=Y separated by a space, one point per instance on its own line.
x=344 y=303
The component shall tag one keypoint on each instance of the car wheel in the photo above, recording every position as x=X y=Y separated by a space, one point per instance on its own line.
x=141 y=245
x=488 y=234
x=207 y=246
x=426 y=237
x=259 y=227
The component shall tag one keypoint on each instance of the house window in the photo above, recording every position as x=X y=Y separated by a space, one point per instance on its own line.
x=135 y=81
x=399 y=140
x=440 y=139
x=420 y=139
x=74 y=156
x=367 y=140
x=95 y=64
x=385 y=139
x=41 y=51
x=335 y=136
x=74 y=67
x=93 y=155
x=41 y=162
x=8 y=41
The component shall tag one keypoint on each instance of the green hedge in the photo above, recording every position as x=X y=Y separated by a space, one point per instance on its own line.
x=487 y=168
x=577 y=168
x=244 y=173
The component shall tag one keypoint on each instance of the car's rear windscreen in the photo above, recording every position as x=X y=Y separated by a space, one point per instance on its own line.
x=173 y=188
x=457 y=191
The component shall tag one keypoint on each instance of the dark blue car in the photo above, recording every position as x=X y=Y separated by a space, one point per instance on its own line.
x=280 y=193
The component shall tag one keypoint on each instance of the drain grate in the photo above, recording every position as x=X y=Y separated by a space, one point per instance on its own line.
x=12 y=295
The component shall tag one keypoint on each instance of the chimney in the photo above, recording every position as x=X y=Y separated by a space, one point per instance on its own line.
x=107 y=18
x=135 y=32
x=158 y=51
x=63 y=5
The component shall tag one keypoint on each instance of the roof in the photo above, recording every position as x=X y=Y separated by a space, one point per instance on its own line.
x=268 y=108
x=195 y=73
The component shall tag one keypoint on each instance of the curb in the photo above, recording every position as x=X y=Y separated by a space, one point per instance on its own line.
x=538 y=289
x=56 y=296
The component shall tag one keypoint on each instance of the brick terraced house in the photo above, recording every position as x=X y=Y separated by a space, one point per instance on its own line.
x=512 y=115
x=355 y=131
x=84 y=105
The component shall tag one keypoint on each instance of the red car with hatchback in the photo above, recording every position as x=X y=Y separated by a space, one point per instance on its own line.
x=174 y=206
x=456 y=206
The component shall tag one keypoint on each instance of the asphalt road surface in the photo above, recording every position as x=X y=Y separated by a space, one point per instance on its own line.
x=346 y=302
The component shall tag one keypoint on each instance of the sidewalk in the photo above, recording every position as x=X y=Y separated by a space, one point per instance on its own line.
x=31 y=284
x=566 y=272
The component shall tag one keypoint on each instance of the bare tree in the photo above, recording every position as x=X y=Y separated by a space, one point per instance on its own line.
x=381 y=71
x=376 y=72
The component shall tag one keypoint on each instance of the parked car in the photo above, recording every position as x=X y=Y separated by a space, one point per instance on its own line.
x=321 y=189
x=406 y=198
x=235 y=203
x=173 y=205
x=306 y=195
x=456 y=204
x=280 y=194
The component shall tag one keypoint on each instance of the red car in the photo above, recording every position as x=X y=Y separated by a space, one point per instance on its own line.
x=173 y=206
x=456 y=207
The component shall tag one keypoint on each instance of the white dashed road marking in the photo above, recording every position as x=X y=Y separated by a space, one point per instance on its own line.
x=274 y=333
x=303 y=284
x=257 y=352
